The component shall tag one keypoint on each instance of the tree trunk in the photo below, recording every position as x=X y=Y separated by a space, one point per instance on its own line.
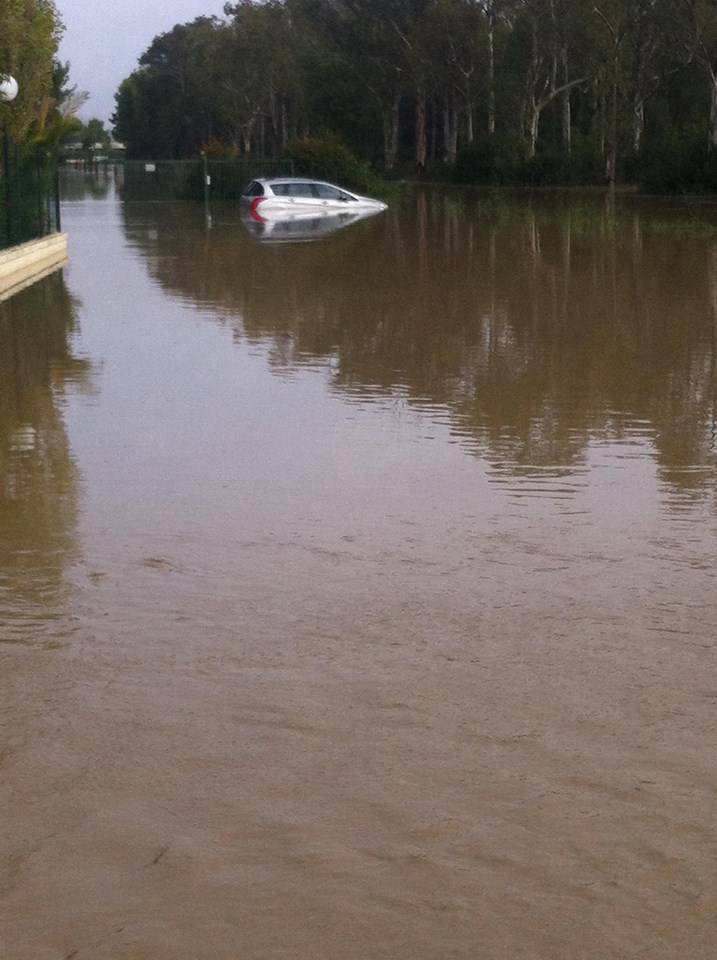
x=611 y=156
x=450 y=135
x=246 y=137
x=566 y=109
x=274 y=117
x=532 y=109
x=491 y=75
x=421 y=143
x=453 y=144
x=434 y=132
x=638 y=123
x=533 y=125
x=284 y=125
x=713 y=112
x=470 y=133
x=390 y=133
x=388 y=159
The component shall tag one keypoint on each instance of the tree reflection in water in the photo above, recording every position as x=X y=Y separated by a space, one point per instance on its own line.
x=534 y=326
x=38 y=478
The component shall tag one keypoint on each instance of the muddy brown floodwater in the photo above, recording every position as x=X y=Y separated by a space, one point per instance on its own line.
x=358 y=596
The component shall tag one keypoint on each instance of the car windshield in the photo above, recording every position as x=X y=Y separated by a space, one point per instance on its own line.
x=327 y=192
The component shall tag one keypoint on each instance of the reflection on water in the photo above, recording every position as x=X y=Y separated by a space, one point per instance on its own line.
x=38 y=478
x=534 y=329
x=301 y=227
x=95 y=183
x=394 y=598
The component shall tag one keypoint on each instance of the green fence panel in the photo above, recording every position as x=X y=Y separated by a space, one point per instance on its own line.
x=29 y=202
x=160 y=180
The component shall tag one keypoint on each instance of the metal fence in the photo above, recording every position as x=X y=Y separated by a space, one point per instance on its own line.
x=29 y=195
x=200 y=179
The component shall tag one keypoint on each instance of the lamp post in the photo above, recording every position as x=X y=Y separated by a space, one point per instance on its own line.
x=8 y=92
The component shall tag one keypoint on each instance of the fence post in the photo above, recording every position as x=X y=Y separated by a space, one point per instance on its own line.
x=8 y=191
x=207 y=181
x=39 y=180
x=58 y=219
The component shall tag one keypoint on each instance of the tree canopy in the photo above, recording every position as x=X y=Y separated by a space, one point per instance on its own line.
x=30 y=32
x=499 y=89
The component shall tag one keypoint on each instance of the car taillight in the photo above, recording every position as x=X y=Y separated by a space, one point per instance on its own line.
x=254 y=209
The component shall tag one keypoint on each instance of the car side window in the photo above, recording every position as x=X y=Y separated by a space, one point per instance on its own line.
x=254 y=189
x=346 y=196
x=280 y=189
x=300 y=190
x=326 y=192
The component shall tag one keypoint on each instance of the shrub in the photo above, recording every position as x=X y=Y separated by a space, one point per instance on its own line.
x=503 y=161
x=328 y=158
x=678 y=162
x=476 y=163
x=219 y=150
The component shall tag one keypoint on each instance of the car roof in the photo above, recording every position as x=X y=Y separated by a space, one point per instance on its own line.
x=271 y=180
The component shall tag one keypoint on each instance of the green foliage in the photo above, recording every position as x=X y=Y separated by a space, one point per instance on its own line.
x=679 y=163
x=216 y=149
x=328 y=158
x=93 y=133
x=30 y=32
x=498 y=91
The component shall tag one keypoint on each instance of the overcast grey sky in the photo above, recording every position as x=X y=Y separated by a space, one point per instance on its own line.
x=104 y=38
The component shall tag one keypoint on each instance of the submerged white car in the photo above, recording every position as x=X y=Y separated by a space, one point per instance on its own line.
x=284 y=197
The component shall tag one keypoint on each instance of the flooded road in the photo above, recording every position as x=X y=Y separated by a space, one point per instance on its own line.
x=358 y=596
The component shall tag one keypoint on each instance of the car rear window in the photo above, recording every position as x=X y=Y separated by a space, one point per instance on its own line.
x=255 y=189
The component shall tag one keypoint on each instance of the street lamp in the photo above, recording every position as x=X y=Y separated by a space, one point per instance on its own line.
x=8 y=87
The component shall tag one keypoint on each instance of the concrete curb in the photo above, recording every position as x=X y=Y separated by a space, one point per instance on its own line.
x=28 y=262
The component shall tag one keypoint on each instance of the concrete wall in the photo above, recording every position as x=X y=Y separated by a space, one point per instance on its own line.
x=25 y=264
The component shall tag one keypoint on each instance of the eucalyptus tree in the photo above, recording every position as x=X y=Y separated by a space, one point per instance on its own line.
x=613 y=22
x=542 y=26
x=260 y=83
x=362 y=36
x=410 y=22
x=636 y=48
x=653 y=52
x=243 y=90
x=498 y=16
x=699 y=23
x=456 y=47
x=570 y=22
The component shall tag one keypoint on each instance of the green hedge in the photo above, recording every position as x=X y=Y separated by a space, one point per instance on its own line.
x=327 y=158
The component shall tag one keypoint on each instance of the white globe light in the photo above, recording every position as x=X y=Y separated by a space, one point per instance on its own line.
x=8 y=88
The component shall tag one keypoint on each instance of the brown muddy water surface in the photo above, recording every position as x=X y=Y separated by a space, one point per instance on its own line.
x=358 y=596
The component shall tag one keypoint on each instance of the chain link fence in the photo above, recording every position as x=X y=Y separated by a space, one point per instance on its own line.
x=29 y=195
x=201 y=179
